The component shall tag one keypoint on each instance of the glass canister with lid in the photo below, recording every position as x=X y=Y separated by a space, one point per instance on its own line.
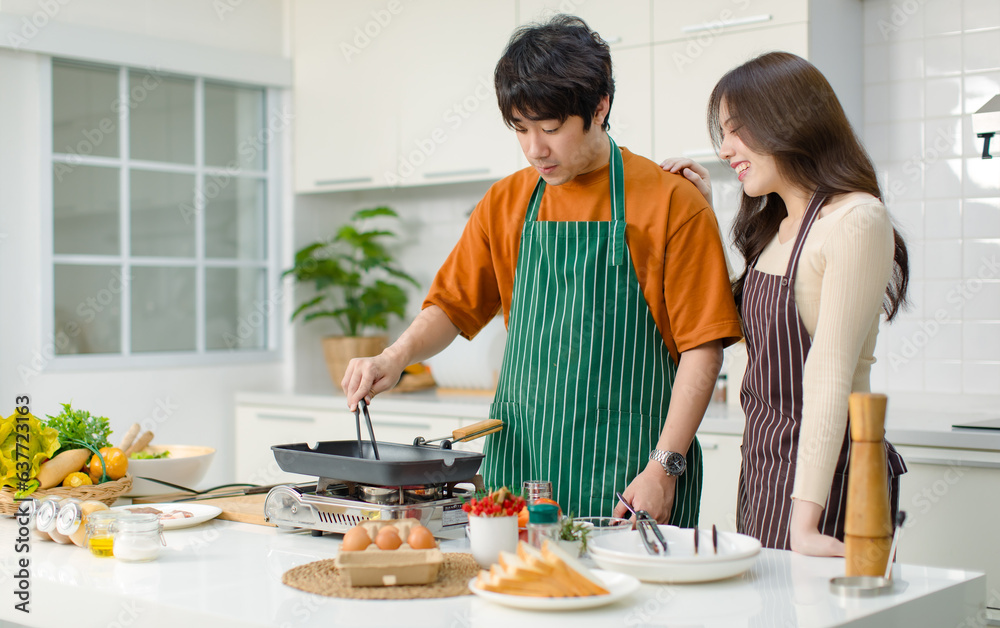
x=138 y=537
x=101 y=532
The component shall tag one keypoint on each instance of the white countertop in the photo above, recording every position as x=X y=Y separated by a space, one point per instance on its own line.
x=927 y=425
x=229 y=574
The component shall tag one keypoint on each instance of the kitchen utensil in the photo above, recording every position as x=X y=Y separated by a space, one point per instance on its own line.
x=696 y=540
x=625 y=552
x=715 y=539
x=867 y=525
x=362 y=406
x=900 y=518
x=646 y=525
x=463 y=434
x=399 y=465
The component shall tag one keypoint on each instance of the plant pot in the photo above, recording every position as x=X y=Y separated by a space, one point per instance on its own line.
x=340 y=350
x=488 y=536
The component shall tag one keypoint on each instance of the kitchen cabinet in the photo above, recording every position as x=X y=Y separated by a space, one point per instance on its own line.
x=388 y=94
x=684 y=20
x=622 y=24
x=721 y=460
x=950 y=499
x=696 y=44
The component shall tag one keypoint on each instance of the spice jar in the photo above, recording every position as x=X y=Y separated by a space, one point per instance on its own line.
x=543 y=523
x=536 y=489
x=72 y=520
x=48 y=519
x=45 y=517
x=101 y=533
x=138 y=537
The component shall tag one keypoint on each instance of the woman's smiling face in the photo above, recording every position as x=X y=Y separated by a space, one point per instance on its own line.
x=756 y=171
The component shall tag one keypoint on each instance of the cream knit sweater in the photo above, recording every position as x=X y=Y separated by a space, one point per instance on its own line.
x=845 y=266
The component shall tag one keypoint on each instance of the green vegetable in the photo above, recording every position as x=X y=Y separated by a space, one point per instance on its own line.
x=80 y=425
x=24 y=445
x=142 y=455
x=570 y=530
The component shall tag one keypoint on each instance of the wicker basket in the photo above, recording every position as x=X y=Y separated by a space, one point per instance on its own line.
x=107 y=492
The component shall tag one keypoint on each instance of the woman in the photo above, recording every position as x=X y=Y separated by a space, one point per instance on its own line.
x=822 y=262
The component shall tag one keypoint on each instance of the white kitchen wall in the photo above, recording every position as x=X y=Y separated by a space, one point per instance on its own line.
x=191 y=405
x=928 y=66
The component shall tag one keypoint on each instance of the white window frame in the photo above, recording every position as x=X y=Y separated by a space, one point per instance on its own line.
x=273 y=304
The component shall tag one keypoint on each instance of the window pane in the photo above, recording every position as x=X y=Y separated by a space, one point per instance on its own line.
x=162 y=122
x=234 y=122
x=88 y=309
x=85 y=210
x=162 y=214
x=235 y=308
x=163 y=309
x=234 y=218
x=83 y=122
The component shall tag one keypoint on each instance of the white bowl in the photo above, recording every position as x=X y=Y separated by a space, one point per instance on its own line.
x=186 y=466
x=625 y=553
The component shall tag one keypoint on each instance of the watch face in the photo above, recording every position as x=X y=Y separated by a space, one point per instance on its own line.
x=675 y=464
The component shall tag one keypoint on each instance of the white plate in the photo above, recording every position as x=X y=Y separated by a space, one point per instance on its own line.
x=625 y=553
x=619 y=586
x=201 y=512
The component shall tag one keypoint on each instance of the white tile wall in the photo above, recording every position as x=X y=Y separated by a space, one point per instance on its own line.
x=928 y=65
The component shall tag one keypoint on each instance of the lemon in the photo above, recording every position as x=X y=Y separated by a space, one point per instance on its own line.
x=76 y=479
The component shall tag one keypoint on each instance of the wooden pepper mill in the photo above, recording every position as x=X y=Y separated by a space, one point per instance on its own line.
x=868 y=526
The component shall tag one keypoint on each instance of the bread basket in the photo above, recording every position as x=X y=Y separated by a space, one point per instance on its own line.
x=106 y=492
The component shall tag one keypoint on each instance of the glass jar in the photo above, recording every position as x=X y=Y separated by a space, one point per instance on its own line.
x=138 y=537
x=101 y=533
x=536 y=489
x=45 y=517
x=543 y=523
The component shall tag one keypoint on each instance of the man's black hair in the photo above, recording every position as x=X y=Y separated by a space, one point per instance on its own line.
x=554 y=70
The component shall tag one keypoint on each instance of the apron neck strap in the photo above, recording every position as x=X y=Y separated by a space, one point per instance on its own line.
x=617 y=183
x=812 y=211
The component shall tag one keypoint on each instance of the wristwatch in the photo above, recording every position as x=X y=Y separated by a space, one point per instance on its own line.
x=673 y=462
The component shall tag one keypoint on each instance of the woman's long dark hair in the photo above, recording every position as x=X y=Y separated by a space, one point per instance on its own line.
x=782 y=106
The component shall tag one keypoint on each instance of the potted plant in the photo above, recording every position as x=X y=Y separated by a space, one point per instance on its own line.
x=356 y=283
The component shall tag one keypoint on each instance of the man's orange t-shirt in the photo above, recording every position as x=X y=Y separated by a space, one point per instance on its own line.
x=672 y=236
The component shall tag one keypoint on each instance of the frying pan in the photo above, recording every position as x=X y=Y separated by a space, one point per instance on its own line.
x=399 y=465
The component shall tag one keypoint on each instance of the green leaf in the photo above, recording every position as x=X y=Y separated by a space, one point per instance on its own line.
x=362 y=214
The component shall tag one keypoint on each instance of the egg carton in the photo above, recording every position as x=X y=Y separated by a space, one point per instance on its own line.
x=374 y=567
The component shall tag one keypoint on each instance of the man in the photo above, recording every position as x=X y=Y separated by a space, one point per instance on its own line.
x=612 y=279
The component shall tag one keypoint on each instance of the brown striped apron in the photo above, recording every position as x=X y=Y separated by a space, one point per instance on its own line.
x=771 y=396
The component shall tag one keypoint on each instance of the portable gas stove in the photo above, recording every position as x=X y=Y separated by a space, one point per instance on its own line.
x=337 y=506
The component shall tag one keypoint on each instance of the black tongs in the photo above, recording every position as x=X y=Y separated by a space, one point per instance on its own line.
x=644 y=524
x=362 y=406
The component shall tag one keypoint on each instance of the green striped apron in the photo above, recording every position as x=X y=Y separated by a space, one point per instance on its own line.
x=586 y=377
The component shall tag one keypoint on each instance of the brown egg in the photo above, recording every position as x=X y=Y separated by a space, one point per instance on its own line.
x=355 y=540
x=388 y=538
x=421 y=538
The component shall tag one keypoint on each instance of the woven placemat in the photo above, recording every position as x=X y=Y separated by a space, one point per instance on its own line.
x=321 y=578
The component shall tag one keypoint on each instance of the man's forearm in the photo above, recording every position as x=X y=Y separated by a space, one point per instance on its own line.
x=696 y=377
x=429 y=334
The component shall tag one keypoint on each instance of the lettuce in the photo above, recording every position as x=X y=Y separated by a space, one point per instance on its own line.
x=23 y=450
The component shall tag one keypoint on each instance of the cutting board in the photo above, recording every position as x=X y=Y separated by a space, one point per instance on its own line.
x=242 y=508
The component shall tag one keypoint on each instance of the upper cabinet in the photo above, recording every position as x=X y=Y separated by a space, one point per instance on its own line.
x=392 y=93
x=623 y=24
x=694 y=45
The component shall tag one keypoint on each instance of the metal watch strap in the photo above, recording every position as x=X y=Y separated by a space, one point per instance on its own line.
x=672 y=462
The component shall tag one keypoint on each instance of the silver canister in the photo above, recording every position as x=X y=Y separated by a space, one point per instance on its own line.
x=534 y=490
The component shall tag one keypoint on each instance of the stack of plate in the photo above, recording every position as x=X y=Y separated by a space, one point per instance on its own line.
x=624 y=552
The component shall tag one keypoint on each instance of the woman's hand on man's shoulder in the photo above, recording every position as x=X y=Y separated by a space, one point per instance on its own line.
x=693 y=172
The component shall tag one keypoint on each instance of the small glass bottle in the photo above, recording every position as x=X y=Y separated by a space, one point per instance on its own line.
x=100 y=532
x=138 y=537
x=543 y=523
x=45 y=517
x=536 y=489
